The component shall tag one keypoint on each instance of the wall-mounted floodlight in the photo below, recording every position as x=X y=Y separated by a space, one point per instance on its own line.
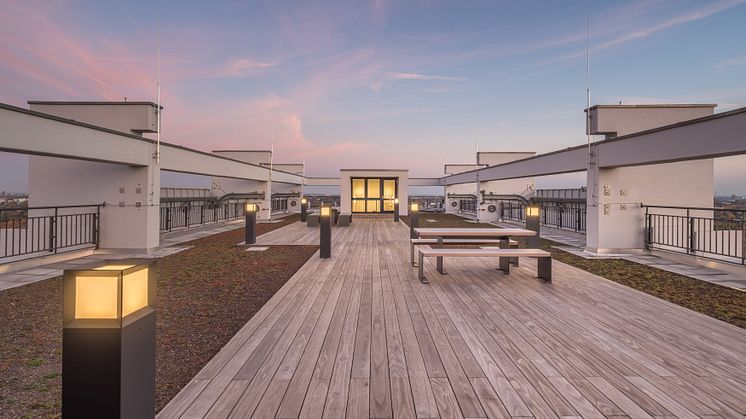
x=533 y=218
x=250 y=217
x=396 y=209
x=303 y=209
x=108 y=340
x=414 y=219
x=325 y=237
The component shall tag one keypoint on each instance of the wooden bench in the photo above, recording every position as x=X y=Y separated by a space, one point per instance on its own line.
x=544 y=270
x=430 y=242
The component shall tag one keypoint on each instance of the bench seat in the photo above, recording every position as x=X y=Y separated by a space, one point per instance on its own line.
x=544 y=258
x=424 y=242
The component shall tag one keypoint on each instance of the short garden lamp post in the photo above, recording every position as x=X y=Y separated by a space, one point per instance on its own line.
x=250 y=216
x=414 y=219
x=533 y=215
x=108 y=341
x=396 y=209
x=303 y=209
x=325 y=220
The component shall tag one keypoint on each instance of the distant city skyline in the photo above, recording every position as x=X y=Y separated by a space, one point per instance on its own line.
x=395 y=84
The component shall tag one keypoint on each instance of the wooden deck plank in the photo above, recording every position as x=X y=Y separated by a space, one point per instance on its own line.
x=358 y=336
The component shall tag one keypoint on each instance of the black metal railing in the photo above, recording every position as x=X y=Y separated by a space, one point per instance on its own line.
x=570 y=215
x=185 y=214
x=39 y=231
x=468 y=205
x=715 y=233
x=279 y=204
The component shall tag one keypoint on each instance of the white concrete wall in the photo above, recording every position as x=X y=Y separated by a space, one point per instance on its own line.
x=460 y=189
x=125 y=226
x=615 y=220
x=129 y=117
x=619 y=120
x=345 y=197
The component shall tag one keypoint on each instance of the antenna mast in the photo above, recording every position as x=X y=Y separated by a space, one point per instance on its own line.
x=158 y=85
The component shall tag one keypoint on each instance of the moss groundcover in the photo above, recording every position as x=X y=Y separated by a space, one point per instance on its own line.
x=205 y=295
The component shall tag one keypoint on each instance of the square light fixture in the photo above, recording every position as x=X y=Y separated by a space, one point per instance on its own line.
x=532 y=210
x=303 y=201
x=251 y=207
x=325 y=211
x=414 y=207
x=396 y=201
x=106 y=294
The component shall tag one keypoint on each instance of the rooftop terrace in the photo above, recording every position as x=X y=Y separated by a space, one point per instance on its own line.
x=357 y=334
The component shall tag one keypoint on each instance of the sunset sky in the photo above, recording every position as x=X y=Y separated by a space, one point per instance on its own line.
x=384 y=84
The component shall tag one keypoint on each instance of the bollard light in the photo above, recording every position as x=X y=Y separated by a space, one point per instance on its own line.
x=533 y=216
x=325 y=236
x=108 y=340
x=303 y=209
x=250 y=217
x=414 y=219
x=396 y=209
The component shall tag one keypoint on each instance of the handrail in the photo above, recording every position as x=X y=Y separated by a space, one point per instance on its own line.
x=50 y=207
x=693 y=208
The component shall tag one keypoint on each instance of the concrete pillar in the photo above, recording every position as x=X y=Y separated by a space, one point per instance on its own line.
x=615 y=221
x=129 y=221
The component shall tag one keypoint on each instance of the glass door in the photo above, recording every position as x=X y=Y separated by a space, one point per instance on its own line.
x=373 y=195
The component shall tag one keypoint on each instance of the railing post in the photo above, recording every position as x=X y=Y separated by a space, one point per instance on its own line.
x=689 y=233
x=577 y=219
x=647 y=234
x=96 y=218
x=186 y=216
x=53 y=232
x=202 y=214
x=168 y=218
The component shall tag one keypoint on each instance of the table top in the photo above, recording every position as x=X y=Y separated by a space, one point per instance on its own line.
x=474 y=232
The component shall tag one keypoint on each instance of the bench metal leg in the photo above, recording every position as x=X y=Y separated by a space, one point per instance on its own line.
x=439 y=259
x=505 y=265
x=514 y=260
x=421 y=269
x=504 y=262
x=544 y=269
x=411 y=254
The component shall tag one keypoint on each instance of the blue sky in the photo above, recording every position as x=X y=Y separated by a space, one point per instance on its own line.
x=410 y=84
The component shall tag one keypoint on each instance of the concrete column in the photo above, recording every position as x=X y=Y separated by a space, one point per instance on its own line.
x=129 y=221
x=615 y=221
x=265 y=207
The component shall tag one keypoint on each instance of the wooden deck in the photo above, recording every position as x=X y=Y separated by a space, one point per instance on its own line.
x=358 y=336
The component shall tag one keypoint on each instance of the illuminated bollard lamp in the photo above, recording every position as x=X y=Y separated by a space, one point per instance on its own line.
x=303 y=209
x=108 y=341
x=396 y=209
x=325 y=220
x=414 y=219
x=250 y=216
x=533 y=216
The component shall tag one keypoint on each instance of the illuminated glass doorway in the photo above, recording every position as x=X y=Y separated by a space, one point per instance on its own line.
x=373 y=195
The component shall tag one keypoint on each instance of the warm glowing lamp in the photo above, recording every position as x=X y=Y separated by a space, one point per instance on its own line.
x=303 y=201
x=414 y=207
x=325 y=233
x=251 y=207
x=250 y=222
x=414 y=219
x=108 y=292
x=108 y=340
x=396 y=201
x=533 y=221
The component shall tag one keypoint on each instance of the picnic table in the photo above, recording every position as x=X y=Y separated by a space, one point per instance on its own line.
x=502 y=234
